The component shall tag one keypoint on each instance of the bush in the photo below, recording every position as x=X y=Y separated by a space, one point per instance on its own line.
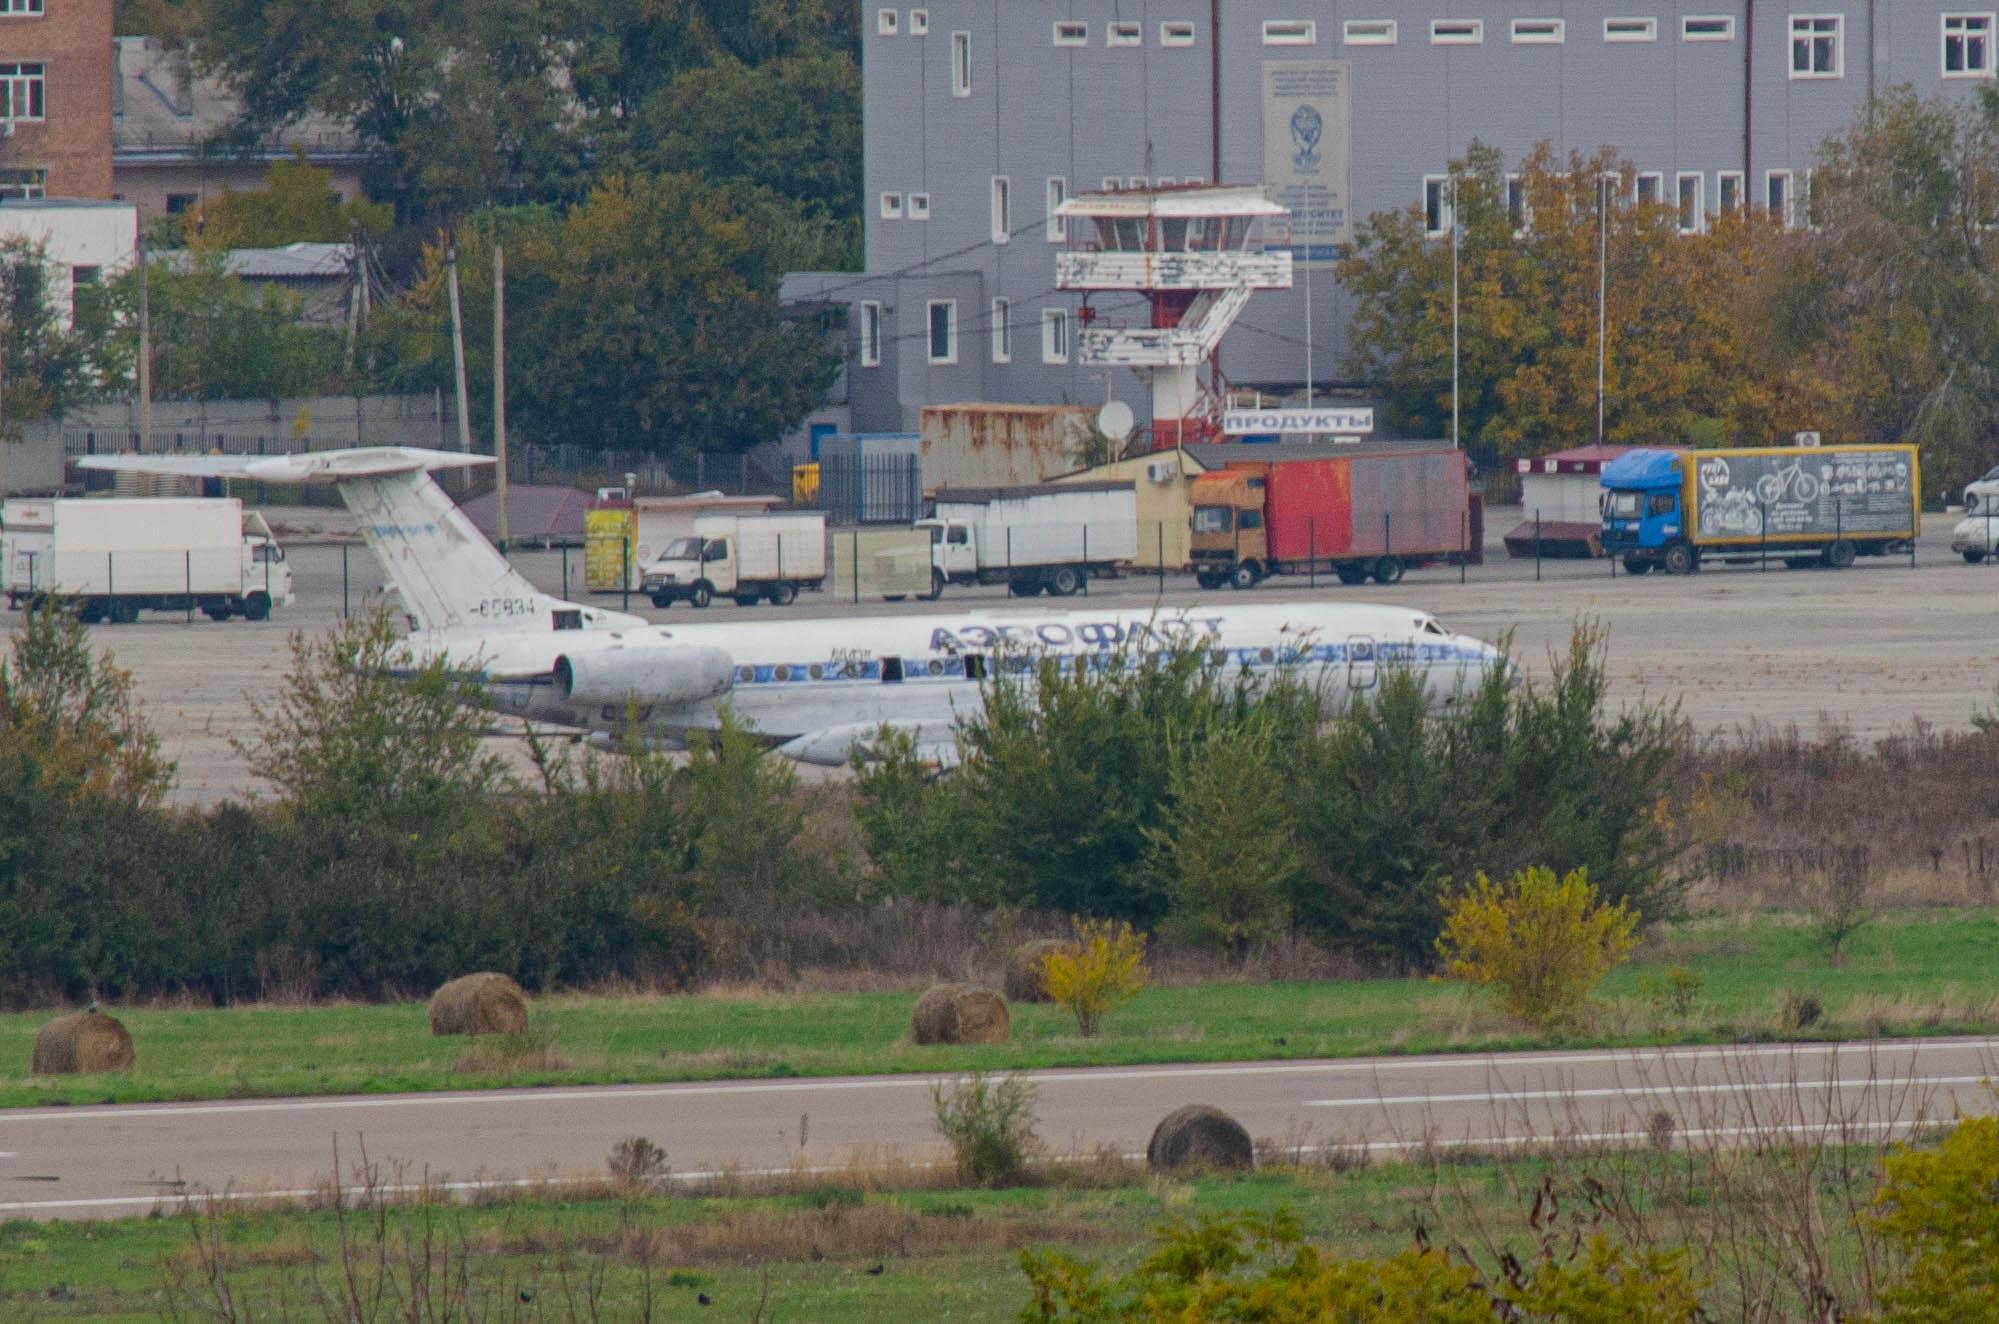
x=1248 y=1267
x=1939 y=1210
x=1103 y=971
x=1543 y=944
x=989 y=1124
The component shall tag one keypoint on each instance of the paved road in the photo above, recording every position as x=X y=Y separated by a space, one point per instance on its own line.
x=119 y=1161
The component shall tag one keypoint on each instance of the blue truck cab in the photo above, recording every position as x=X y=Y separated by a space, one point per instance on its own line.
x=1642 y=517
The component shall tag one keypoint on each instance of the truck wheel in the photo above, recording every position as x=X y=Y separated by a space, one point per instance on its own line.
x=1388 y=570
x=1973 y=555
x=1066 y=580
x=124 y=611
x=701 y=594
x=936 y=585
x=783 y=595
x=1244 y=576
x=1208 y=581
x=1840 y=555
x=256 y=607
x=1350 y=574
x=217 y=613
x=1679 y=559
x=1634 y=565
x=662 y=600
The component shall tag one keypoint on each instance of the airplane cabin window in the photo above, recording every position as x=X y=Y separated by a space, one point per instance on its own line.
x=891 y=671
x=569 y=620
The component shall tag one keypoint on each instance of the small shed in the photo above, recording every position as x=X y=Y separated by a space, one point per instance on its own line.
x=1165 y=503
x=1562 y=499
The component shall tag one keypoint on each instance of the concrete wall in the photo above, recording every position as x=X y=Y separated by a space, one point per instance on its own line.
x=265 y=426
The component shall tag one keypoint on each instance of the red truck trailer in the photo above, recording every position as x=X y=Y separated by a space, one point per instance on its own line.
x=1355 y=516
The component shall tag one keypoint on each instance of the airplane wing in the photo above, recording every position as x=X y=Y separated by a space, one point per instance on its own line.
x=835 y=746
x=360 y=462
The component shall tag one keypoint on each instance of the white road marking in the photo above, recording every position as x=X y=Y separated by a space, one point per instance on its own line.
x=1667 y=1090
x=1048 y=1077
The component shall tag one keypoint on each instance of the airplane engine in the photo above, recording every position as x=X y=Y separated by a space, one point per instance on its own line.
x=667 y=673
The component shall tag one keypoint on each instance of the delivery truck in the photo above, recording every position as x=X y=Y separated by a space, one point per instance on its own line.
x=624 y=535
x=1045 y=537
x=112 y=558
x=1361 y=516
x=751 y=558
x=1803 y=505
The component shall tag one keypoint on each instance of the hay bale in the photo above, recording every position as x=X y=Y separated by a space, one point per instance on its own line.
x=87 y=1041
x=1024 y=968
x=485 y=1003
x=1200 y=1138
x=960 y=1014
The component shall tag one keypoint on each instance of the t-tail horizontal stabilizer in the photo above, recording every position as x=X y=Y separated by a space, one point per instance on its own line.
x=448 y=575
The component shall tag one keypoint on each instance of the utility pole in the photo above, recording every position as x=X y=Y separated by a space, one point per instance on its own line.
x=1454 y=311
x=458 y=360
x=145 y=349
x=1602 y=288
x=353 y=295
x=500 y=385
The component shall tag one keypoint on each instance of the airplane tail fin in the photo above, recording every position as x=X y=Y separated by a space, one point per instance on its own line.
x=446 y=572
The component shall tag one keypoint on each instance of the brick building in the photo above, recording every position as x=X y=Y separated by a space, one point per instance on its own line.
x=55 y=98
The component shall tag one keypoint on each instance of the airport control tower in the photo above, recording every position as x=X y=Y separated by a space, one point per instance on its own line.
x=1196 y=254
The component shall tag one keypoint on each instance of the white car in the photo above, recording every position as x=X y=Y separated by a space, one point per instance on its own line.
x=1977 y=534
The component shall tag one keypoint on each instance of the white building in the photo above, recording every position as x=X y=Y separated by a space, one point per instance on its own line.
x=83 y=241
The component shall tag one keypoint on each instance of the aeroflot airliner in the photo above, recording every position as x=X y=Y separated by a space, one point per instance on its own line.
x=820 y=690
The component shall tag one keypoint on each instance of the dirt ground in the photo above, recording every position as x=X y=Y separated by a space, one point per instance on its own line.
x=1871 y=647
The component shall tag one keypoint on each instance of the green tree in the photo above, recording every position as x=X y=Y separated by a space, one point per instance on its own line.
x=364 y=737
x=51 y=368
x=296 y=204
x=1939 y=1209
x=216 y=336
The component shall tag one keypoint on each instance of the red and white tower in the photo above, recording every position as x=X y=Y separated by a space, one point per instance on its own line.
x=1196 y=254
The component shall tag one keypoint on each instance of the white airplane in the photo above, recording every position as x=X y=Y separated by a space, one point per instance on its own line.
x=818 y=689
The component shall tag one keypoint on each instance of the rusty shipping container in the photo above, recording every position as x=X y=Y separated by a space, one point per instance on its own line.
x=999 y=445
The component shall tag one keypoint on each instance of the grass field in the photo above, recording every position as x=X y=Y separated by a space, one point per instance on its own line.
x=1910 y=972
x=939 y=1255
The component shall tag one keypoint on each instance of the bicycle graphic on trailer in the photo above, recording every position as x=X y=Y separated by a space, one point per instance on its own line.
x=1790 y=483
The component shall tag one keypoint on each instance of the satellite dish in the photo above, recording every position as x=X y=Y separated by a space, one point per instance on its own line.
x=1115 y=420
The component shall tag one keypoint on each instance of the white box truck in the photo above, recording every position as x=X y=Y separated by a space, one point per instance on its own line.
x=1051 y=537
x=749 y=558
x=114 y=557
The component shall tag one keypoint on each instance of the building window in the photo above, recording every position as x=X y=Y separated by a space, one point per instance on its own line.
x=1054 y=335
x=943 y=337
x=919 y=22
x=1002 y=331
x=1176 y=34
x=33 y=182
x=1538 y=31
x=919 y=206
x=1112 y=183
x=1815 y=46
x=1290 y=32
x=1072 y=34
x=1967 y=45
x=961 y=64
x=1457 y=31
x=177 y=203
x=1058 y=226
x=1631 y=29
x=1369 y=32
x=1516 y=203
x=1651 y=184
x=23 y=91
x=891 y=206
x=1807 y=206
x=9 y=8
x=887 y=22
x=1002 y=210
x=1777 y=195
x=871 y=335
x=1692 y=205
x=1728 y=194
x=1707 y=27
x=1436 y=205
x=1124 y=34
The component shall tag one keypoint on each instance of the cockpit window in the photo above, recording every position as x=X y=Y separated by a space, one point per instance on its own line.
x=1430 y=625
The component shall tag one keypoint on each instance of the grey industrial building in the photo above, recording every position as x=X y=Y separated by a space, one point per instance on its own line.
x=981 y=114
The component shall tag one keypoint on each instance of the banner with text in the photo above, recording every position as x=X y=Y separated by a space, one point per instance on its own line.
x=1250 y=422
x=1308 y=152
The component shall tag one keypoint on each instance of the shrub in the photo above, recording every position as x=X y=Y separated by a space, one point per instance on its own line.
x=1246 y=1267
x=636 y=1161
x=989 y=1123
x=1939 y=1209
x=1672 y=992
x=1103 y=971
x=1542 y=943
